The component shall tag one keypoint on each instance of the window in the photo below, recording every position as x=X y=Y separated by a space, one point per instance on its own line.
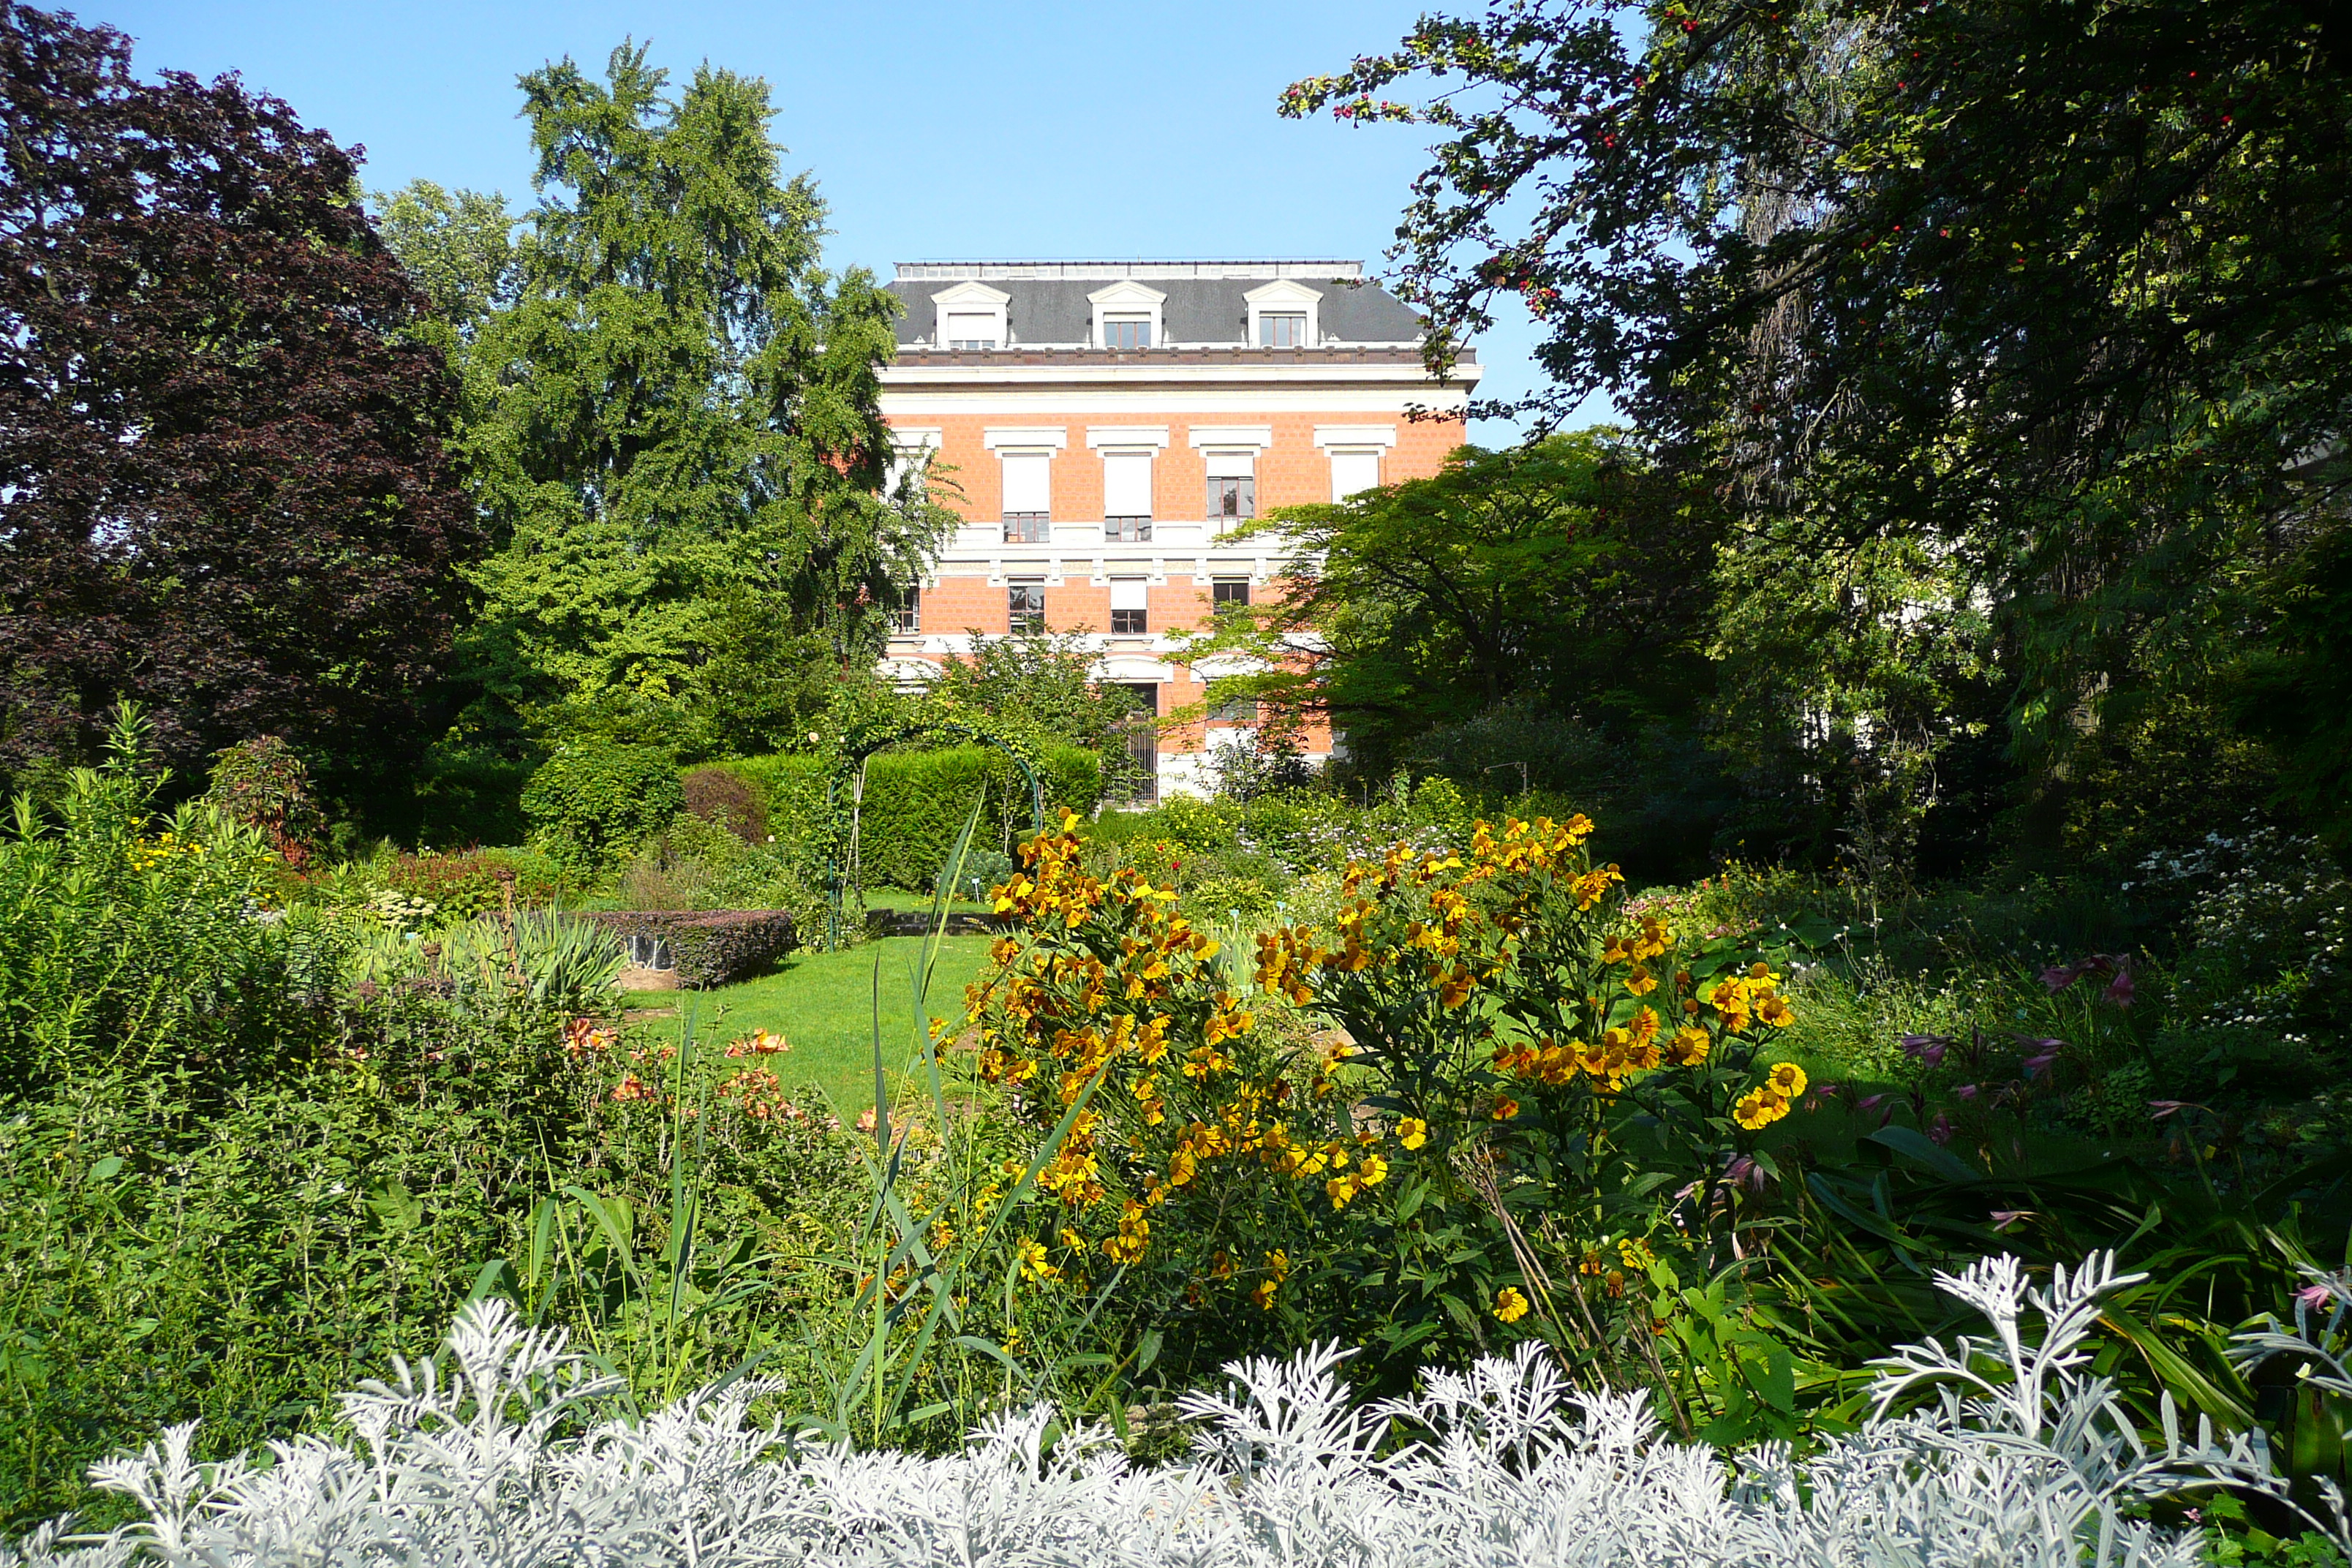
x=1233 y=485
x=1240 y=710
x=1354 y=472
x=1025 y=606
x=968 y=330
x=1228 y=594
x=1129 y=616
x=1127 y=495
x=1233 y=500
x=906 y=620
x=1126 y=331
x=1028 y=496
x=1282 y=329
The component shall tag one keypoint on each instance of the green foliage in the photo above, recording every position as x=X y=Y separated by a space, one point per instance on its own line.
x=588 y=807
x=557 y=963
x=132 y=946
x=1048 y=685
x=458 y=246
x=465 y=794
x=2009 y=333
x=673 y=422
x=225 y=1184
x=915 y=800
x=1570 y=574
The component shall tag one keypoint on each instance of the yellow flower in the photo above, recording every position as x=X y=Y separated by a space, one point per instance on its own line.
x=1033 y=1262
x=1506 y=1107
x=1340 y=1189
x=1413 y=1131
x=1690 y=1047
x=1786 y=1079
x=1758 y=1108
x=1510 y=1305
x=1371 y=1169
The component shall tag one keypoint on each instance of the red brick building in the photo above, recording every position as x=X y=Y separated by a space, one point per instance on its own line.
x=1102 y=426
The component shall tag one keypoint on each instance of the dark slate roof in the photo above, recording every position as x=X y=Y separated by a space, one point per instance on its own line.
x=1197 y=311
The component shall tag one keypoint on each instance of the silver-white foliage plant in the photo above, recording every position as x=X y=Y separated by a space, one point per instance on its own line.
x=1992 y=1452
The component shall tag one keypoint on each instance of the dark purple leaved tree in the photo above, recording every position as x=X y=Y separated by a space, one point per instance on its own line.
x=222 y=488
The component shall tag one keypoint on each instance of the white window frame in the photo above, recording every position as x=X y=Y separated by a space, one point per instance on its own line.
x=969 y=299
x=1129 y=299
x=1356 y=440
x=1284 y=297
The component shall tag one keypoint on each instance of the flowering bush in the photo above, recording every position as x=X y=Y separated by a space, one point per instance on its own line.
x=1481 y=1104
x=492 y=1453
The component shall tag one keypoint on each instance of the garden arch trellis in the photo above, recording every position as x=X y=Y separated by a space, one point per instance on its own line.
x=849 y=769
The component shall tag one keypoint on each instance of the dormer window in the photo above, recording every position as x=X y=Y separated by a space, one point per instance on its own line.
x=968 y=330
x=1126 y=315
x=971 y=316
x=1282 y=329
x=1284 y=315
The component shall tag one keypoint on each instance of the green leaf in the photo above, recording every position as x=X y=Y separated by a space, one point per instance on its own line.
x=1911 y=1142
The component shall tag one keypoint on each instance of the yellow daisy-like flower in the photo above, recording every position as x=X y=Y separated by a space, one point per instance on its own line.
x=1758 y=1108
x=1786 y=1079
x=1371 y=1169
x=1506 y=1107
x=1413 y=1131
x=1033 y=1262
x=1510 y=1305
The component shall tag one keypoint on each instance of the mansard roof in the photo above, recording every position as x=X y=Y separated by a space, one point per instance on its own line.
x=1207 y=303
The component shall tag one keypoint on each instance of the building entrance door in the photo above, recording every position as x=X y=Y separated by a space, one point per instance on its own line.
x=1143 y=739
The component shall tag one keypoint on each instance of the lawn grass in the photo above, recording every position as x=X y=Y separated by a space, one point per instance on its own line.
x=822 y=1003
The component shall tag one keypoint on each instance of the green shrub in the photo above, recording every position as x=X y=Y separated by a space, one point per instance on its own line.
x=469 y=795
x=125 y=944
x=590 y=807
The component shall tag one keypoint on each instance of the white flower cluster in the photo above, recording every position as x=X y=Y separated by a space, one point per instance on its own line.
x=488 y=1458
x=2269 y=926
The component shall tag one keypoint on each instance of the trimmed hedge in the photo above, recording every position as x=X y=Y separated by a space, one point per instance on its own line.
x=708 y=947
x=916 y=802
x=589 y=806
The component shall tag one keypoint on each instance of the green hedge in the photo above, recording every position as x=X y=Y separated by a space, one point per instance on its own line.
x=589 y=806
x=916 y=802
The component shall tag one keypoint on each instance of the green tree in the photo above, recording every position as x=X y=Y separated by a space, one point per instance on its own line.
x=675 y=428
x=2049 y=295
x=1046 y=686
x=1572 y=575
x=458 y=246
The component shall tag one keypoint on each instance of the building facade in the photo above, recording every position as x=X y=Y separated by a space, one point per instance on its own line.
x=1102 y=427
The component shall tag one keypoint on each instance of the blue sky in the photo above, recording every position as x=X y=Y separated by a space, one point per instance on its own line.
x=935 y=130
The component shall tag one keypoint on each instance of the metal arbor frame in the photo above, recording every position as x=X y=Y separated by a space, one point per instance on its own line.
x=860 y=745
